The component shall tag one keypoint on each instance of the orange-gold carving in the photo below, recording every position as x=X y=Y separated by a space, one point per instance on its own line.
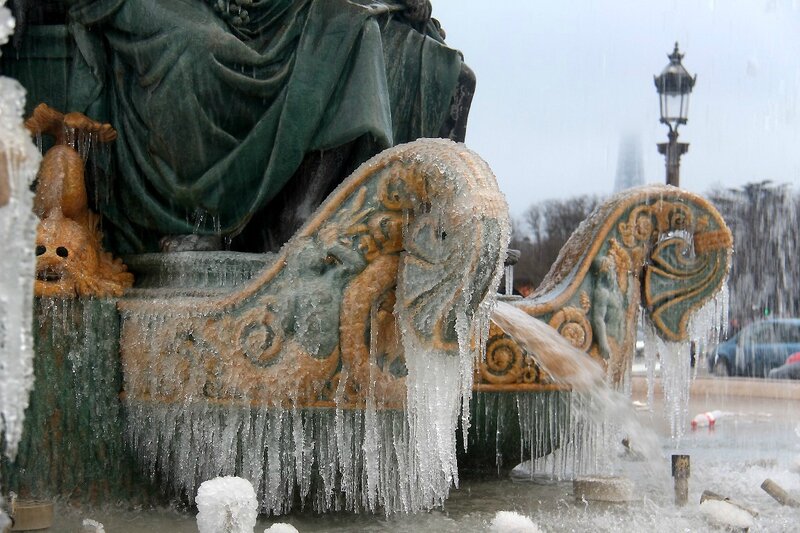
x=70 y=258
x=658 y=248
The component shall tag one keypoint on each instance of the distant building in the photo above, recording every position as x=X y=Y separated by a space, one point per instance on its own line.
x=630 y=170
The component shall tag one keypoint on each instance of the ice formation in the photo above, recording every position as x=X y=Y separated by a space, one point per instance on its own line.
x=512 y=522
x=226 y=504
x=439 y=382
x=585 y=427
x=92 y=526
x=706 y=327
x=727 y=515
x=337 y=450
x=281 y=527
x=19 y=160
x=601 y=418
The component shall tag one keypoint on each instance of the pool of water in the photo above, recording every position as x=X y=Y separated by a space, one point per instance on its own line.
x=758 y=438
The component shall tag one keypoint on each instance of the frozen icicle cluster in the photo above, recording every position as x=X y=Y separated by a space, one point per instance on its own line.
x=706 y=326
x=314 y=456
x=19 y=161
x=226 y=504
x=435 y=295
x=581 y=433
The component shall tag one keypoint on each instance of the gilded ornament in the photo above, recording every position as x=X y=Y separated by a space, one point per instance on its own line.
x=70 y=260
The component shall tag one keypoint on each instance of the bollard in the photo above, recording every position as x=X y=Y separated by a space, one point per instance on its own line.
x=28 y=515
x=777 y=492
x=680 y=471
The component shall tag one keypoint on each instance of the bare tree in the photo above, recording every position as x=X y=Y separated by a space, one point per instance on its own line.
x=765 y=271
x=546 y=228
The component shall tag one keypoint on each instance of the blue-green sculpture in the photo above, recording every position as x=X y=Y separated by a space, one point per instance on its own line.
x=219 y=103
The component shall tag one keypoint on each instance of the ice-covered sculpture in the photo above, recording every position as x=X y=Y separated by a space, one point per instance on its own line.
x=336 y=376
x=70 y=260
x=660 y=249
x=657 y=252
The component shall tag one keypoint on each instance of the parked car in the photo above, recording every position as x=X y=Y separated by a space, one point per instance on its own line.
x=757 y=348
x=790 y=370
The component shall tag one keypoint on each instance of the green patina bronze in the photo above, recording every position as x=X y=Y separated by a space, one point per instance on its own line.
x=215 y=113
x=73 y=442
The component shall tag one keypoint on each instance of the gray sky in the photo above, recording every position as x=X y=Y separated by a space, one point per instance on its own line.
x=561 y=82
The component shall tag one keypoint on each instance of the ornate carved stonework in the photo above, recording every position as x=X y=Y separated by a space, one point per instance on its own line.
x=657 y=247
x=317 y=327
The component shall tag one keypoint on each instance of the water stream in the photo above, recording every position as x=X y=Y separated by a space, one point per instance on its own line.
x=599 y=416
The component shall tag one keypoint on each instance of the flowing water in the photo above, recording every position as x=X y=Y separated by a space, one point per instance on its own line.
x=600 y=417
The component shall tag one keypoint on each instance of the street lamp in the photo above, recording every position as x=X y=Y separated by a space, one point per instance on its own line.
x=674 y=85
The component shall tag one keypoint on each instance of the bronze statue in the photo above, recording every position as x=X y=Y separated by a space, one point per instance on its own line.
x=237 y=118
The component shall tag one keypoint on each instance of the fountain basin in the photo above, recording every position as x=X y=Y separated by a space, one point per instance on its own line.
x=612 y=489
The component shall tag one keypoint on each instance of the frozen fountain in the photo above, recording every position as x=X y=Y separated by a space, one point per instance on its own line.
x=655 y=254
x=333 y=373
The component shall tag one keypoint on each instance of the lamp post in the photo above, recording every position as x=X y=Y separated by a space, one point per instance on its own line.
x=674 y=85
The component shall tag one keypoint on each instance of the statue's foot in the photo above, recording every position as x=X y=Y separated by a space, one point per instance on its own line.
x=190 y=243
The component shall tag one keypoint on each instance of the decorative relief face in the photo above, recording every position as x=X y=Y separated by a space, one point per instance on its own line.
x=65 y=258
x=69 y=262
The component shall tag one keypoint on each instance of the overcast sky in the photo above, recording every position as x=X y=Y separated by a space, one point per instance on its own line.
x=561 y=82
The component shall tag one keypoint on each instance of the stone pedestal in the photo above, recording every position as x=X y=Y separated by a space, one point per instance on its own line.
x=73 y=443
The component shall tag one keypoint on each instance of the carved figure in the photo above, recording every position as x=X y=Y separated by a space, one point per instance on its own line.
x=659 y=248
x=70 y=260
x=608 y=306
x=236 y=114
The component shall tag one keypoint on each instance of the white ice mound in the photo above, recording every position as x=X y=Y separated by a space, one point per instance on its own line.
x=726 y=515
x=92 y=526
x=281 y=527
x=226 y=505
x=511 y=522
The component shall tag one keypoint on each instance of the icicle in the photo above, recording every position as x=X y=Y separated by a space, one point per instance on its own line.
x=19 y=161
